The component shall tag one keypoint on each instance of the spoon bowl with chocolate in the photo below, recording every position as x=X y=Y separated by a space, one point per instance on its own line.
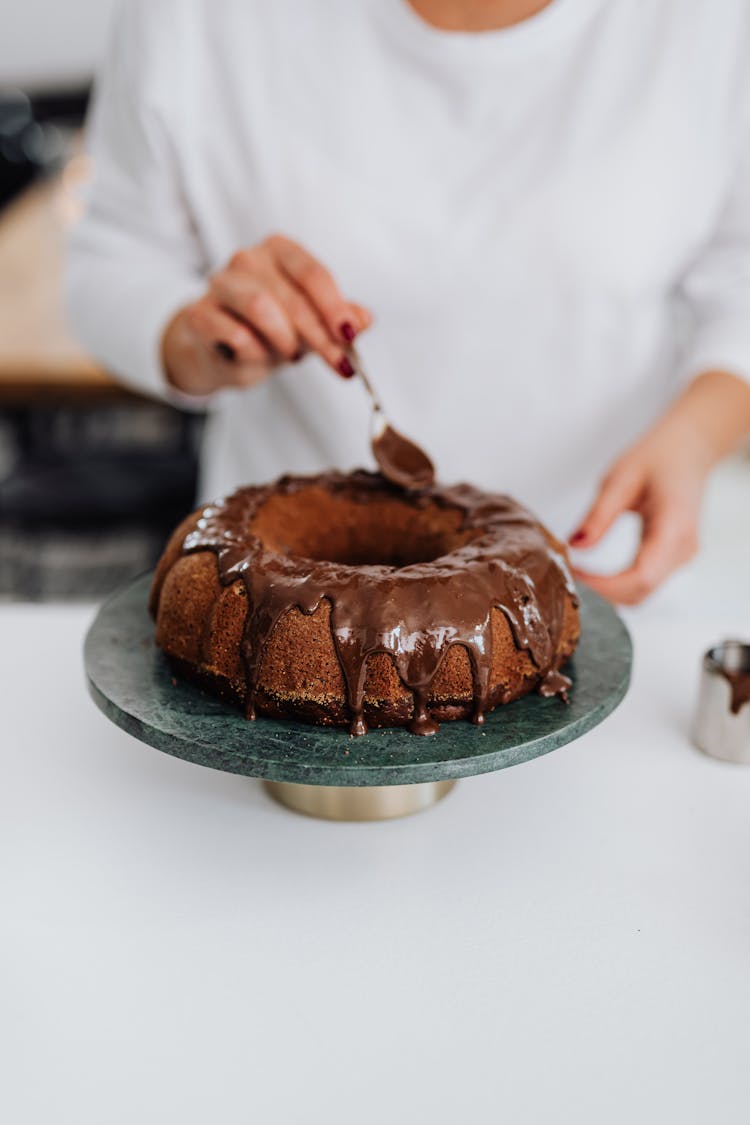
x=400 y=460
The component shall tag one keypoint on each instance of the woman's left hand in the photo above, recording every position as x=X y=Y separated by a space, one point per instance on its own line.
x=662 y=479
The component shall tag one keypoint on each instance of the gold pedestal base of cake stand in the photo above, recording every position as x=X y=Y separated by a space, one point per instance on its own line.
x=350 y=802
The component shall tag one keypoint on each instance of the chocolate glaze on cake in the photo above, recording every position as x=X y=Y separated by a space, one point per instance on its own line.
x=416 y=612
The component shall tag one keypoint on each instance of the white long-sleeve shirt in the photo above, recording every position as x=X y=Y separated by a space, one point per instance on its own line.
x=551 y=223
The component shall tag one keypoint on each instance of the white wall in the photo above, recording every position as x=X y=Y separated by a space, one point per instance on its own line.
x=47 y=43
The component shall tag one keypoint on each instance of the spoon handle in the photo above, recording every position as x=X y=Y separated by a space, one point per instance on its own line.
x=356 y=363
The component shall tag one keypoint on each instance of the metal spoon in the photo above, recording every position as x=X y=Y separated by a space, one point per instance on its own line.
x=399 y=459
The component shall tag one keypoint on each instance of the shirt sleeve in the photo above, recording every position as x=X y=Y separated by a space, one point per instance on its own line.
x=716 y=288
x=134 y=258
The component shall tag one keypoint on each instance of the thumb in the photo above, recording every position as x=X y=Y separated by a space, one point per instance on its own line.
x=618 y=493
x=364 y=317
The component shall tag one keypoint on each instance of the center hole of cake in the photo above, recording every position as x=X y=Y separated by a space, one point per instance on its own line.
x=367 y=529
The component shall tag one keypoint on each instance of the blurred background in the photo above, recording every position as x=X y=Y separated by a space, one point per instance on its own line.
x=93 y=477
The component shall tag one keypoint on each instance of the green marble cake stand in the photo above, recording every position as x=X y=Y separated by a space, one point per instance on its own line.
x=325 y=772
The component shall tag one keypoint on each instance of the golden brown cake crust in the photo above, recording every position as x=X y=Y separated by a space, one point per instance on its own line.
x=446 y=623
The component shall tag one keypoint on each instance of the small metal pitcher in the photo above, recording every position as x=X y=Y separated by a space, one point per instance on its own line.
x=716 y=729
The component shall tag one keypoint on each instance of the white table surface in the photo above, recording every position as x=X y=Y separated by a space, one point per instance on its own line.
x=564 y=941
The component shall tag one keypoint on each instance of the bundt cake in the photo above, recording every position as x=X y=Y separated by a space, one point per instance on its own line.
x=340 y=599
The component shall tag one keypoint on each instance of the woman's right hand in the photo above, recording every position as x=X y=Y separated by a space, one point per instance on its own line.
x=270 y=305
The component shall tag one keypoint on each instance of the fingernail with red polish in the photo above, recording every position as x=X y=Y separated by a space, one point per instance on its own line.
x=345 y=367
x=348 y=331
x=578 y=537
x=297 y=356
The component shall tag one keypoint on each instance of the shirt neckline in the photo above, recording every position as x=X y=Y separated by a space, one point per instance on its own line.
x=532 y=34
